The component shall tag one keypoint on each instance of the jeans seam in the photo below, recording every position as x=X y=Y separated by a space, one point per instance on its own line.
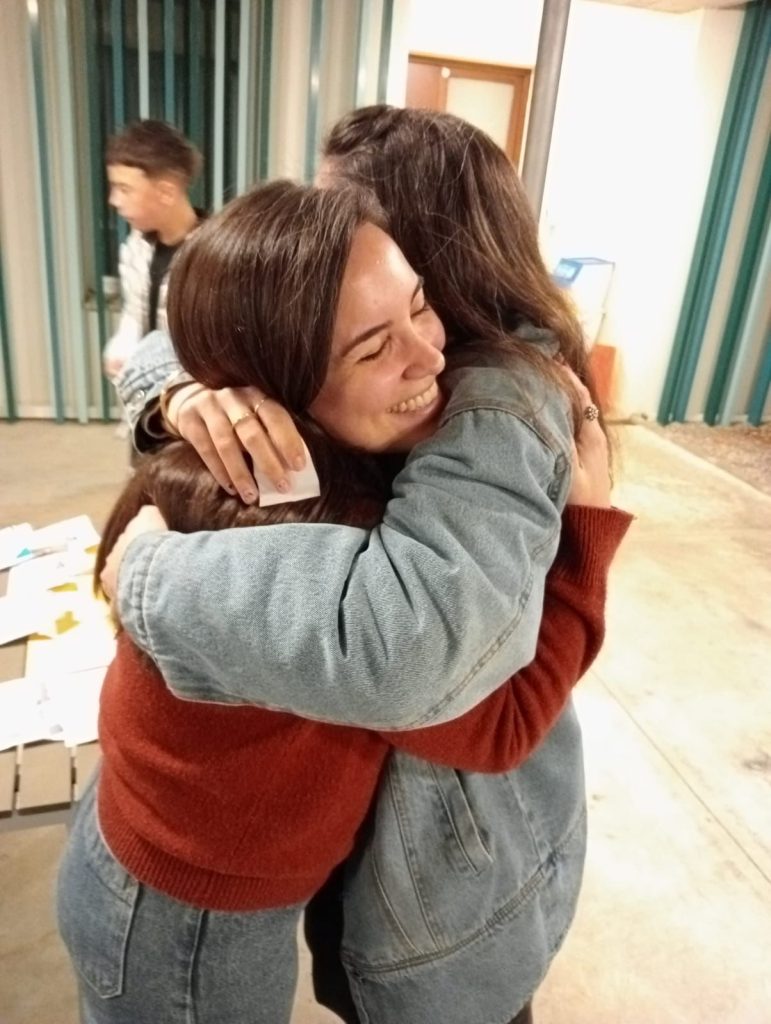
x=190 y=1013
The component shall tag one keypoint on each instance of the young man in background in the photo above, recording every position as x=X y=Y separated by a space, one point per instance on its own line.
x=150 y=168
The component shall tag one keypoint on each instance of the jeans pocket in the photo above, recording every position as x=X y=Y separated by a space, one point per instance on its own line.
x=95 y=907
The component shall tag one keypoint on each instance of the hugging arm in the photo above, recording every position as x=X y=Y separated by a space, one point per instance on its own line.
x=505 y=728
x=406 y=625
x=204 y=419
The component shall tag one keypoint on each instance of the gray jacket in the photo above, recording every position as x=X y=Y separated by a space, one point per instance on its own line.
x=468 y=882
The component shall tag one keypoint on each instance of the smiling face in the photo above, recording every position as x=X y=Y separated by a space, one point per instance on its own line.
x=381 y=392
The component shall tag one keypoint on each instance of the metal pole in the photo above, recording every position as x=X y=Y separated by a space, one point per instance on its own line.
x=169 y=61
x=386 y=30
x=5 y=352
x=218 y=170
x=143 y=46
x=548 y=65
x=266 y=70
x=50 y=278
x=755 y=325
x=312 y=126
x=245 y=35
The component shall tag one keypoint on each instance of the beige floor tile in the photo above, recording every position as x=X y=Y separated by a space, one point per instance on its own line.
x=674 y=922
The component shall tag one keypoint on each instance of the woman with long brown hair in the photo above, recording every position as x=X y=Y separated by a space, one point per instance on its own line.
x=461 y=894
x=208 y=827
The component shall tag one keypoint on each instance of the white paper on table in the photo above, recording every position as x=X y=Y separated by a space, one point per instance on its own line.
x=88 y=645
x=14 y=539
x=39 y=574
x=65 y=708
x=76 y=532
x=21 y=544
x=71 y=709
x=24 y=614
x=303 y=484
x=22 y=714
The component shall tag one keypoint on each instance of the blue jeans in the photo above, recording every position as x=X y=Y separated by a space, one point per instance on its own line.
x=142 y=958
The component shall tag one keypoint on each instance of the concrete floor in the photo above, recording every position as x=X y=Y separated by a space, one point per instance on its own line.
x=674 y=924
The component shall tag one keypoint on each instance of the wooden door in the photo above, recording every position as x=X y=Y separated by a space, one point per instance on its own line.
x=491 y=96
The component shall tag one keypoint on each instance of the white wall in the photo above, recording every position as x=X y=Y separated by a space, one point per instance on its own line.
x=494 y=31
x=640 y=101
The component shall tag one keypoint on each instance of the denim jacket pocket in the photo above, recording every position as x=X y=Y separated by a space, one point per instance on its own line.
x=95 y=904
x=427 y=842
x=454 y=856
x=465 y=837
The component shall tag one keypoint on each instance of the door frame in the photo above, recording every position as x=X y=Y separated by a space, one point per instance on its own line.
x=507 y=74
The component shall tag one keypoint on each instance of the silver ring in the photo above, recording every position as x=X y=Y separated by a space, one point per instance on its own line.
x=591 y=412
x=240 y=419
x=256 y=408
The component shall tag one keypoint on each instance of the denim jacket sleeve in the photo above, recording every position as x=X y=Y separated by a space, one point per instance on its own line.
x=405 y=625
x=142 y=378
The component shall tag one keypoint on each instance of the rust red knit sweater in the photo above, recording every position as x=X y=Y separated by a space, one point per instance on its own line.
x=239 y=808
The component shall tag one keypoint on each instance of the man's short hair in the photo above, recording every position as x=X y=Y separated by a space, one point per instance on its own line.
x=156 y=148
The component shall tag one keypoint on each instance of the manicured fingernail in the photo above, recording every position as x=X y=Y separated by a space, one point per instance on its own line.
x=298 y=462
x=283 y=486
x=250 y=496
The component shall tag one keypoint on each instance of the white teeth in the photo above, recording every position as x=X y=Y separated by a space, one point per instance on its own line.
x=417 y=401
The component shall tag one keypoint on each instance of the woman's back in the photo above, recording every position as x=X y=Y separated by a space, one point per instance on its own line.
x=224 y=806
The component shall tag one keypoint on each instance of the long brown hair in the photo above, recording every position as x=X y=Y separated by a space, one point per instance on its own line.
x=253 y=292
x=460 y=215
x=190 y=499
x=252 y=300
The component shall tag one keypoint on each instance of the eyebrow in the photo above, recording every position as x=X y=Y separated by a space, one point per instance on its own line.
x=372 y=331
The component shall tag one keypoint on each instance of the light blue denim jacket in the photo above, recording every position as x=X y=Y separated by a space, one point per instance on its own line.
x=408 y=624
x=467 y=882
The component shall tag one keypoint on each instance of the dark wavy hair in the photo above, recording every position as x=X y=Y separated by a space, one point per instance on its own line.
x=157 y=148
x=458 y=211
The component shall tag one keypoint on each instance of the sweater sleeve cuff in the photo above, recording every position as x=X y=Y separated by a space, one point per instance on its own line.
x=589 y=540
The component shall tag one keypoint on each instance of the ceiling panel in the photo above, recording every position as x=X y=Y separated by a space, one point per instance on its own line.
x=676 y=6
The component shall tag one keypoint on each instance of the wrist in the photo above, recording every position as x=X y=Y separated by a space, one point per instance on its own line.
x=173 y=384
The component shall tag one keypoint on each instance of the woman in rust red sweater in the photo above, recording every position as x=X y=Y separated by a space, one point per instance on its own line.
x=215 y=824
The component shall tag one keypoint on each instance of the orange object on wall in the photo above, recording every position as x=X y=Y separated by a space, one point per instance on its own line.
x=602 y=363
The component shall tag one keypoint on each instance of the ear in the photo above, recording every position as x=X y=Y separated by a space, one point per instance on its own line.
x=168 y=190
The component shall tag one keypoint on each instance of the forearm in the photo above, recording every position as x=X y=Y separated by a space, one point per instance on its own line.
x=503 y=730
x=412 y=623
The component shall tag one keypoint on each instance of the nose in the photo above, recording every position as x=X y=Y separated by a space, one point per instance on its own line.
x=425 y=356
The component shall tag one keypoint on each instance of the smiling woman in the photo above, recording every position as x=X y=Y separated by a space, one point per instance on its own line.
x=381 y=390
x=208 y=828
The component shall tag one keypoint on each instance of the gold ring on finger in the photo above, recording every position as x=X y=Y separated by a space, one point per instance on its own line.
x=240 y=419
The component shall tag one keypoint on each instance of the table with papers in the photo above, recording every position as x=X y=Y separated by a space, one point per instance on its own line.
x=56 y=641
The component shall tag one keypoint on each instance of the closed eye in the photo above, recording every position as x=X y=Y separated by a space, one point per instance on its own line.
x=374 y=355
